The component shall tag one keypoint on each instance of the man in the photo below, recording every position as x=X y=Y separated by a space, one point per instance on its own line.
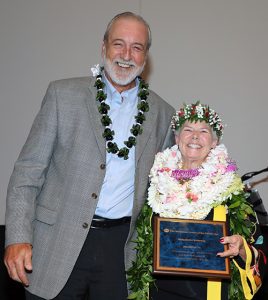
x=81 y=178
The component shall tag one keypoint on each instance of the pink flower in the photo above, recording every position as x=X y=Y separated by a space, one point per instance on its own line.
x=231 y=167
x=180 y=174
x=164 y=170
x=191 y=197
x=171 y=198
x=174 y=154
x=221 y=168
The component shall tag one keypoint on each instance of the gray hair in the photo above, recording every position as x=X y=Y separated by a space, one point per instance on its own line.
x=126 y=15
x=214 y=134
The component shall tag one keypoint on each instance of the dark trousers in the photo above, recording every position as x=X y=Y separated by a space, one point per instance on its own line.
x=184 y=288
x=99 y=273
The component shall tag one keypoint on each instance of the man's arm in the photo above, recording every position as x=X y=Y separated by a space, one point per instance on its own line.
x=25 y=184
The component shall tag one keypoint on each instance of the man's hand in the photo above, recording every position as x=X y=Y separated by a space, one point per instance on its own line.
x=18 y=260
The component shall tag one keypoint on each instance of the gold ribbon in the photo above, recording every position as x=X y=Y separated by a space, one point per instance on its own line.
x=247 y=275
x=214 y=285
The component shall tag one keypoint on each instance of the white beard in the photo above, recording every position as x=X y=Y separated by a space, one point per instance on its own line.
x=122 y=76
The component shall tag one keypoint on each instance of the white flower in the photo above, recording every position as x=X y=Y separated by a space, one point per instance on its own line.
x=95 y=70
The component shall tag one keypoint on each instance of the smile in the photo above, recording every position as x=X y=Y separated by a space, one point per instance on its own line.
x=194 y=146
x=124 y=65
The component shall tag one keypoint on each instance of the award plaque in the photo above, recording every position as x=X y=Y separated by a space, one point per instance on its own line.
x=189 y=248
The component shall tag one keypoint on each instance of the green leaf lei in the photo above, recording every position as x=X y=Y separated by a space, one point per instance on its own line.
x=106 y=121
x=140 y=274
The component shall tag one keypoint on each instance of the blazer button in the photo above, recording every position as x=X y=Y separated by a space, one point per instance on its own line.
x=102 y=166
x=94 y=195
x=85 y=225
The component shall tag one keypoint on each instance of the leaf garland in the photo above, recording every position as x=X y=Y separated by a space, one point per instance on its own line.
x=140 y=274
x=106 y=121
x=240 y=214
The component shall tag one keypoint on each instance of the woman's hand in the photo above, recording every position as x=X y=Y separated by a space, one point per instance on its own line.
x=236 y=247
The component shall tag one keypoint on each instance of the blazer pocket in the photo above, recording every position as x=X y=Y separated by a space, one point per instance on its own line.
x=45 y=215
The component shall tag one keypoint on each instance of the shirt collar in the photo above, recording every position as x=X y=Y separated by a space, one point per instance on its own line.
x=111 y=90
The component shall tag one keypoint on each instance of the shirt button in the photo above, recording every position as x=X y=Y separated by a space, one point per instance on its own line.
x=85 y=225
x=102 y=166
x=94 y=195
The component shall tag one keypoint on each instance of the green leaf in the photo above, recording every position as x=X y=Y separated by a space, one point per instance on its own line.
x=236 y=204
x=132 y=296
x=240 y=215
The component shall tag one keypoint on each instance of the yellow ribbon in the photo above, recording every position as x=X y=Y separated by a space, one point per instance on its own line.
x=214 y=285
x=247 y=276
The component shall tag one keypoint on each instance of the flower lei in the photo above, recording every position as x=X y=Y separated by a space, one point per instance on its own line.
x=192 y=195
x=106 y=121
x=198 y=112
x=233 y=196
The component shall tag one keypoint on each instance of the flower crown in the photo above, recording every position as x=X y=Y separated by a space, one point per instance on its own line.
x=197 y=112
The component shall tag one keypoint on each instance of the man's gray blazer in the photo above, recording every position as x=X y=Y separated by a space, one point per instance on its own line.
x=54 y=188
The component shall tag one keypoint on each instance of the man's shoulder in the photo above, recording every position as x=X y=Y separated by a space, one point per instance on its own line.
x=74 y=82
x=71 y=87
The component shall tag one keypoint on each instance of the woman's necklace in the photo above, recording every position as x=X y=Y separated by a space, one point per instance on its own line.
x=106 y=121
x=190 y=194
x=181 y=174
x=184 y=175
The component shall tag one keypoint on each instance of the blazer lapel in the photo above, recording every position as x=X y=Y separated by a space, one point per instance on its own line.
x=95 y=118
x=147 y=127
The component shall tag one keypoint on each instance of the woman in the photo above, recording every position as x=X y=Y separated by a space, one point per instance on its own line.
x=195 y=179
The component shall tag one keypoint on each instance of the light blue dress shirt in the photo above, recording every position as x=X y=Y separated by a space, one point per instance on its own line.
x=117 y=193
